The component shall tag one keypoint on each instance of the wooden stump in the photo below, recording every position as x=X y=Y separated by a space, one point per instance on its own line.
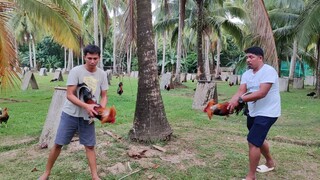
x=29 y=79
x=165 y=80
x=284 y=84
x=43 y=72
x=310 y=81
x=234 y=79
x=204 y=92
x=298 y=83
x=58 y=75
x=51 y=125
x=109 y=76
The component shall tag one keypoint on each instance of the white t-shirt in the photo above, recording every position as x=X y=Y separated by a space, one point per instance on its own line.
x=96 y=81
x=270 y=105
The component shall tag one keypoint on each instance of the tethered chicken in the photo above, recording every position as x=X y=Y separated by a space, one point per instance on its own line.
x=4 y=116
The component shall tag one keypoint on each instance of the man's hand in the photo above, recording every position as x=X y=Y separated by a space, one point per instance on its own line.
x=90 y=109
x=232 y=104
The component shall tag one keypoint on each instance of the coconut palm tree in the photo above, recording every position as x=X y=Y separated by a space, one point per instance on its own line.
x=150 y=121
x=128 y=30
x=308 y=31
x=97 y=22
x=182 y=9
x=261 y=31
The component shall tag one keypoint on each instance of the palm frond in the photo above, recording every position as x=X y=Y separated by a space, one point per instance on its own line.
x=308 y=24
x=262 y=31
x=8 y=58
x=54 y=20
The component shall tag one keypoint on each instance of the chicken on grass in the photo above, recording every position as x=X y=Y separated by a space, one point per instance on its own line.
x=4 y=116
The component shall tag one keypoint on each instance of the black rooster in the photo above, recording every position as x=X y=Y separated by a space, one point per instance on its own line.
x=120 y=90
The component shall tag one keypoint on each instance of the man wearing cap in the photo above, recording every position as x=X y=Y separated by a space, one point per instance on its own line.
x=261 y=81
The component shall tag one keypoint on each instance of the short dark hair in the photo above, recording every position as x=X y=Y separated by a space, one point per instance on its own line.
x=255 y=50
x=91 y=49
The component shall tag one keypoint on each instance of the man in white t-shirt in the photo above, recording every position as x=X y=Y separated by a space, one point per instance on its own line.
x=264 y=105
x=76 y=113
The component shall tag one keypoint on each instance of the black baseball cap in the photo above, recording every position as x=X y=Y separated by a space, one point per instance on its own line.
x=255 y=50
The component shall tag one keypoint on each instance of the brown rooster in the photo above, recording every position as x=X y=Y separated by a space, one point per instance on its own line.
x=220 y=109
x=105 y=115
x=4 y=116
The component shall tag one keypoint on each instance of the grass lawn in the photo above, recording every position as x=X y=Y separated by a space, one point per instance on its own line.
x=200 y=148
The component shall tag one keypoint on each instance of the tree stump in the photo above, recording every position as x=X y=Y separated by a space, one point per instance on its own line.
x=29 y=79
x=109 y=76
x=310 y=81
x=58 y=76
x=298 y=83
x=204 y=92
x=51 y=125
x=43 y=72
x=284 y=84
x=165 y=80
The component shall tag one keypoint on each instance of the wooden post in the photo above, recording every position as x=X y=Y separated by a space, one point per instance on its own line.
x=51 y=125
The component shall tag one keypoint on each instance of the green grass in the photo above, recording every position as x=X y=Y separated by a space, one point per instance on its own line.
x=200 y=148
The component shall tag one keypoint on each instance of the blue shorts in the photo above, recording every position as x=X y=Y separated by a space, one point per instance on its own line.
x=258 y=129
x=69 y=125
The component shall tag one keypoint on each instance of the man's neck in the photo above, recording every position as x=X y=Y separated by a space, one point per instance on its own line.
x=258 y=68
x=90 y=69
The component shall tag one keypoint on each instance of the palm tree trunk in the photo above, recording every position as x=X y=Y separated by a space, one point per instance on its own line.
x=30 y=56
x=65 y=57
x=34 y=54
x=318 y=69
x=129 y=57
x=150 y=121
x=293 y=59
x=101 y=47
x=164 y=51
x=115 y=40
x=156 y=46
x=200 y=68
x=182 y=4
x=95 y=22
x=206 y=55
x=218 y=57
x=70 y=60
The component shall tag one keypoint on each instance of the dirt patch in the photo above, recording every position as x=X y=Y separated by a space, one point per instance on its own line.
x=2 y=100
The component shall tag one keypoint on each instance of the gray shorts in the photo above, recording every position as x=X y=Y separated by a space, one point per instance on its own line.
x=69 y=125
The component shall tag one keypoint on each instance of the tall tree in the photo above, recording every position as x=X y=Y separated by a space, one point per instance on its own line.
x=308 y=29
x=182 y=9
x=150 y=121
x=200 y=68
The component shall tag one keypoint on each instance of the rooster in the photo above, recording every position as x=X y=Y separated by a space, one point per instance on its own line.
x=220 y=109
x=120 y=90
x=105 y=115
x=4 y=116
